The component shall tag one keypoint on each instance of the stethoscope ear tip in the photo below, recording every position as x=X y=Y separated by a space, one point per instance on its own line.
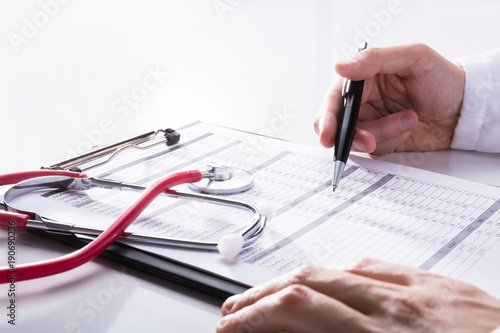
x=267 y=209
x=230 y=245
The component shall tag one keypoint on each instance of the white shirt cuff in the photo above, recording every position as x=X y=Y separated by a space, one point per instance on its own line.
x=478 y=127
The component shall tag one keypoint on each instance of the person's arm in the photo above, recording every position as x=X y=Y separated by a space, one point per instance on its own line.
x=366 y=296
x=411 y=100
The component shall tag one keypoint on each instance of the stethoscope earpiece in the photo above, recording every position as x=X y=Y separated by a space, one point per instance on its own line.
x=230 y=245
x=267 y=209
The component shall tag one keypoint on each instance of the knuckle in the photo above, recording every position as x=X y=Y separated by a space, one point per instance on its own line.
x=363 y=264
x=410 y=308
x=302 y=275
x=250 y=295
x=407 y=305
x=421 y=47
x=422 y=53
x=293 y=295
x=372 y=51
x=386 y=133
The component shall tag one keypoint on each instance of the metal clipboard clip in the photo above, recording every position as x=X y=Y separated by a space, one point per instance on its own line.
x=103 y=155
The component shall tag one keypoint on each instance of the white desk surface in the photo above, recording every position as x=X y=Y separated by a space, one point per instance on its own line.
x=103 y=296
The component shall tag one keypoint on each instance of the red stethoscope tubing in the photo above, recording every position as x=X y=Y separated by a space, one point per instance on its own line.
x=104 y=240
x=18 y=220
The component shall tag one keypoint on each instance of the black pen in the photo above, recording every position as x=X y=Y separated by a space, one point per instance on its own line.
x=352 y=92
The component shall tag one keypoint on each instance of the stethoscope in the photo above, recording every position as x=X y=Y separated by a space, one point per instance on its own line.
x=215 y=179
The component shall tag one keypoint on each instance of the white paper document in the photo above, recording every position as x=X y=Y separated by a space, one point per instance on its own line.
x=380 y=210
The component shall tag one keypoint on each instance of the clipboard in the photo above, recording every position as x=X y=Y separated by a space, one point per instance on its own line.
x=157 y=265
x=409 y=216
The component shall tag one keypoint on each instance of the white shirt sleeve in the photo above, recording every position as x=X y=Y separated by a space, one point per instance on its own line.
x=478 y=127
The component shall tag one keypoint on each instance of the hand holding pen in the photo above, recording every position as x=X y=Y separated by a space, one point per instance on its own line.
x=411 y=100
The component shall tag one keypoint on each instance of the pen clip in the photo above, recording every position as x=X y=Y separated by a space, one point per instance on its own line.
x=362 y=48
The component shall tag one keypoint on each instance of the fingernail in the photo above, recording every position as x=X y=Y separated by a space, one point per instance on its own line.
x=347 y=61
x=316 y=128
x=358 y=144
x=223 y=322
x=406 y=122
x=320 y=125
x=229 y=304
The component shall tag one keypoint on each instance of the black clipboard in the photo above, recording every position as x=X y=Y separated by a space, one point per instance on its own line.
x=160 y=266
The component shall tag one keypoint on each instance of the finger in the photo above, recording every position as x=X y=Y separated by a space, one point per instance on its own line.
x=363 y=141
x=390 y=126
x=379 y=148
x=385 y=135
x=402 y=60
x=390 y=146
x=294 y=309
x=335 y=283
x=389 y=272
x=325 y=123
x=389 y=129
x=388 y=134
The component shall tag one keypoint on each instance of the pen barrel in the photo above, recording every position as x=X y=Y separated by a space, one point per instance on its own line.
x=348 y=120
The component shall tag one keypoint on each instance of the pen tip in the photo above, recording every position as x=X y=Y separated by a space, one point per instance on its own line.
x=334 y=187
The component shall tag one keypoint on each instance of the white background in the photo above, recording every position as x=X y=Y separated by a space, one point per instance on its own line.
x=65 y=66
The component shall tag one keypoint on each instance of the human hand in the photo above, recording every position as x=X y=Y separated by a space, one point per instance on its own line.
x=411 y=100
x=367 y=296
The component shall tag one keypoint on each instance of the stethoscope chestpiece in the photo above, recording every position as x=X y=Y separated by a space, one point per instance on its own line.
x=219 y=179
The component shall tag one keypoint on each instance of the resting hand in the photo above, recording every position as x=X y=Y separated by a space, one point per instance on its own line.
x=411 y=100
x=369 y=296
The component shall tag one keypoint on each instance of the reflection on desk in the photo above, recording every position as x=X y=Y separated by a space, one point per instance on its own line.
x=100 y=296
